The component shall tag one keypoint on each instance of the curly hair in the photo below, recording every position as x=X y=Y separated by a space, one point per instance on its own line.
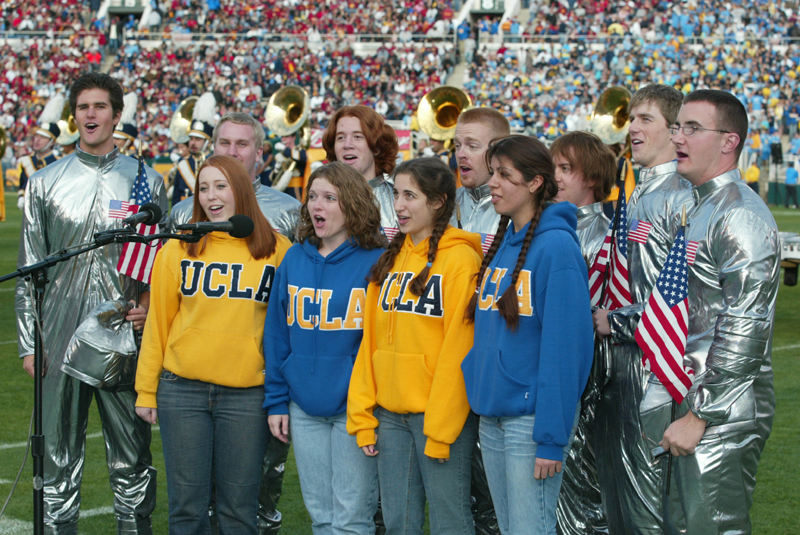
x=381 y=138
x=362 y=218
x=262 y=241
x=437 y=182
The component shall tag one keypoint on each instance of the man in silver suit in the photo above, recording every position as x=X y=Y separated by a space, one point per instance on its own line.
x=724 y=422
x=630 y=478
x=67 y=202
x=475 y=130
x=586 y=171
x=239 y=135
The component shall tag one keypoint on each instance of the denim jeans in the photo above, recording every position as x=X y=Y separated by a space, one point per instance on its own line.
x=339 y=482
x=407 y=476
x=524 y=505
x=205 y=425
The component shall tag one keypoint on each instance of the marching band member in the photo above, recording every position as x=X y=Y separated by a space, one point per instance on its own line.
x=126 y=133
x=44 y=138
x=67 y=203
x=630 y=478
x=200 y=133
x=585 y=173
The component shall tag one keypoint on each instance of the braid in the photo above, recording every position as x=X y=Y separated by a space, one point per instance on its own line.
x=384 y=264
x=417 y=285
x=469 y=315
x=508 y=304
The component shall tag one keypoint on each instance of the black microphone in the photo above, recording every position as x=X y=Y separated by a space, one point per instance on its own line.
x=238 y=226
x=149 y=214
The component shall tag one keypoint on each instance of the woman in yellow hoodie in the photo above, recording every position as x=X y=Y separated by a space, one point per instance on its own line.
x=407 y=379
x=201 y=367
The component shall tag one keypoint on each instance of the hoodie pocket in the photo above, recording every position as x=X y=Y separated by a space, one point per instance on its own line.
x=402 y=381
x=491 y=390
x=318 y=384
x=209 y=351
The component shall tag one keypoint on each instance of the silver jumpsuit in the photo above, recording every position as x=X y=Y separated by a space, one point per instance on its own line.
x=281 y=210
x=67 y=202
x=383 y=190
x=733 y=286
x=580 y=510
x=630 y=479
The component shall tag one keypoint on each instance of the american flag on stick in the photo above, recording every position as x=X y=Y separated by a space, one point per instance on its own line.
x=618 y=293
x=598 y=269
x=663 y=328
x=136 y=259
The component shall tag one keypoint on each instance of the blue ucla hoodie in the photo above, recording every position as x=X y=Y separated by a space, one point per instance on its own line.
x=314 y=326
x=542 y=367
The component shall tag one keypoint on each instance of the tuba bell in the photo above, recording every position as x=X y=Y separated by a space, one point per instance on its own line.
x=69 y=130
x=181 y=121
x=3 y=141
x=439 y=109
x=611 y=118
x=287 y=112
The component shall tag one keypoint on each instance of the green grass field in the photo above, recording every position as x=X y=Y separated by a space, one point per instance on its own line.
x=776 y=500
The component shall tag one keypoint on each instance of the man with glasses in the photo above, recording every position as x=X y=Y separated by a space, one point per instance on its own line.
x=630 y=479
x=724 y=421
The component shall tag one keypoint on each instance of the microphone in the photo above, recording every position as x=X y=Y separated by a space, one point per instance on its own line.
x=149 y=214
x=238 y=226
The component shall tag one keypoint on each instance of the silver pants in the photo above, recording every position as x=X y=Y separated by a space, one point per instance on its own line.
x=127 y=440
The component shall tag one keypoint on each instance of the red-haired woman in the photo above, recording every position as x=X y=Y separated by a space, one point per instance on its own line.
x=359 y=137
x=201 y=368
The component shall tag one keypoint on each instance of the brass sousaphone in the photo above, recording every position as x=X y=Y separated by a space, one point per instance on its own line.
x=181 y=121
x=3 y=141
x=439 y=109
x=611 y=118
x=69 y=130
x=287 y=112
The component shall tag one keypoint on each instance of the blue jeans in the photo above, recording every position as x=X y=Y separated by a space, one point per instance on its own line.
x=407 y=476
x=524 y=505
x=204 y=425
x=339 y=482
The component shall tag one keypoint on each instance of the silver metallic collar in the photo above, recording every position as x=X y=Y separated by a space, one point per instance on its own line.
x=97 y=162
x=589 y=209
x=704 y=190
x=481 y=192
x=645 y=173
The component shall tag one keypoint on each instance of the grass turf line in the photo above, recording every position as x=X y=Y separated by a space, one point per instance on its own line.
x=776 y=499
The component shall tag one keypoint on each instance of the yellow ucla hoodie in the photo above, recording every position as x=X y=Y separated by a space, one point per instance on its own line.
x=206 y=317
x=410 y=356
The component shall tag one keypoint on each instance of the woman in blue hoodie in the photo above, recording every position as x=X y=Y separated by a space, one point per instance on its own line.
x=533 y=338
x=311 y=337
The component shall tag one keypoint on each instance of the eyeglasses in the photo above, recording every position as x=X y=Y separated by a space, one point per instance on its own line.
x=690 y=129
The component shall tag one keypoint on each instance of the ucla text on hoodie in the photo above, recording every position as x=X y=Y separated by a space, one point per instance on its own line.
x=314 y=326
x=222 y=279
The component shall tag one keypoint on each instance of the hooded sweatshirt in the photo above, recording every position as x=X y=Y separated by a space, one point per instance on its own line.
x=542 y=367
x=413 y=345
x=314 y=326
x=207 y=315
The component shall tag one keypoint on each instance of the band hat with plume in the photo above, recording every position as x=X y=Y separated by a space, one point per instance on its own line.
x=51 y=114
x=203 y=116
x=126 y=128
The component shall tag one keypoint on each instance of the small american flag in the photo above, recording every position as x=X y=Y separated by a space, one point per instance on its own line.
x=662 y=331
x=136 y=259
x=639 y=232
x=486 y=241
x=389 y=232
x=599 y=268
x=618 y=293
x=691 y=252
x=118 y=209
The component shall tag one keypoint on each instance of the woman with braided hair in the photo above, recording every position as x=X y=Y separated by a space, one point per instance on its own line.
x=406 y=379
x=533 y=338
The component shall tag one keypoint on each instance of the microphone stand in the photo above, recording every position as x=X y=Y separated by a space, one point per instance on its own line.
x=37 y=274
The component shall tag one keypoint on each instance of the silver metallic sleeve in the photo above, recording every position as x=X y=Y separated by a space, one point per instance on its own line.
x=747 y=289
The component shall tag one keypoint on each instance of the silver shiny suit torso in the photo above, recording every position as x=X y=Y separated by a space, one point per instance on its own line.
x=281 y=210
x=580 y=507
x=475 y=211
x=630 y=479
x=733 y=286
x=383 y=190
